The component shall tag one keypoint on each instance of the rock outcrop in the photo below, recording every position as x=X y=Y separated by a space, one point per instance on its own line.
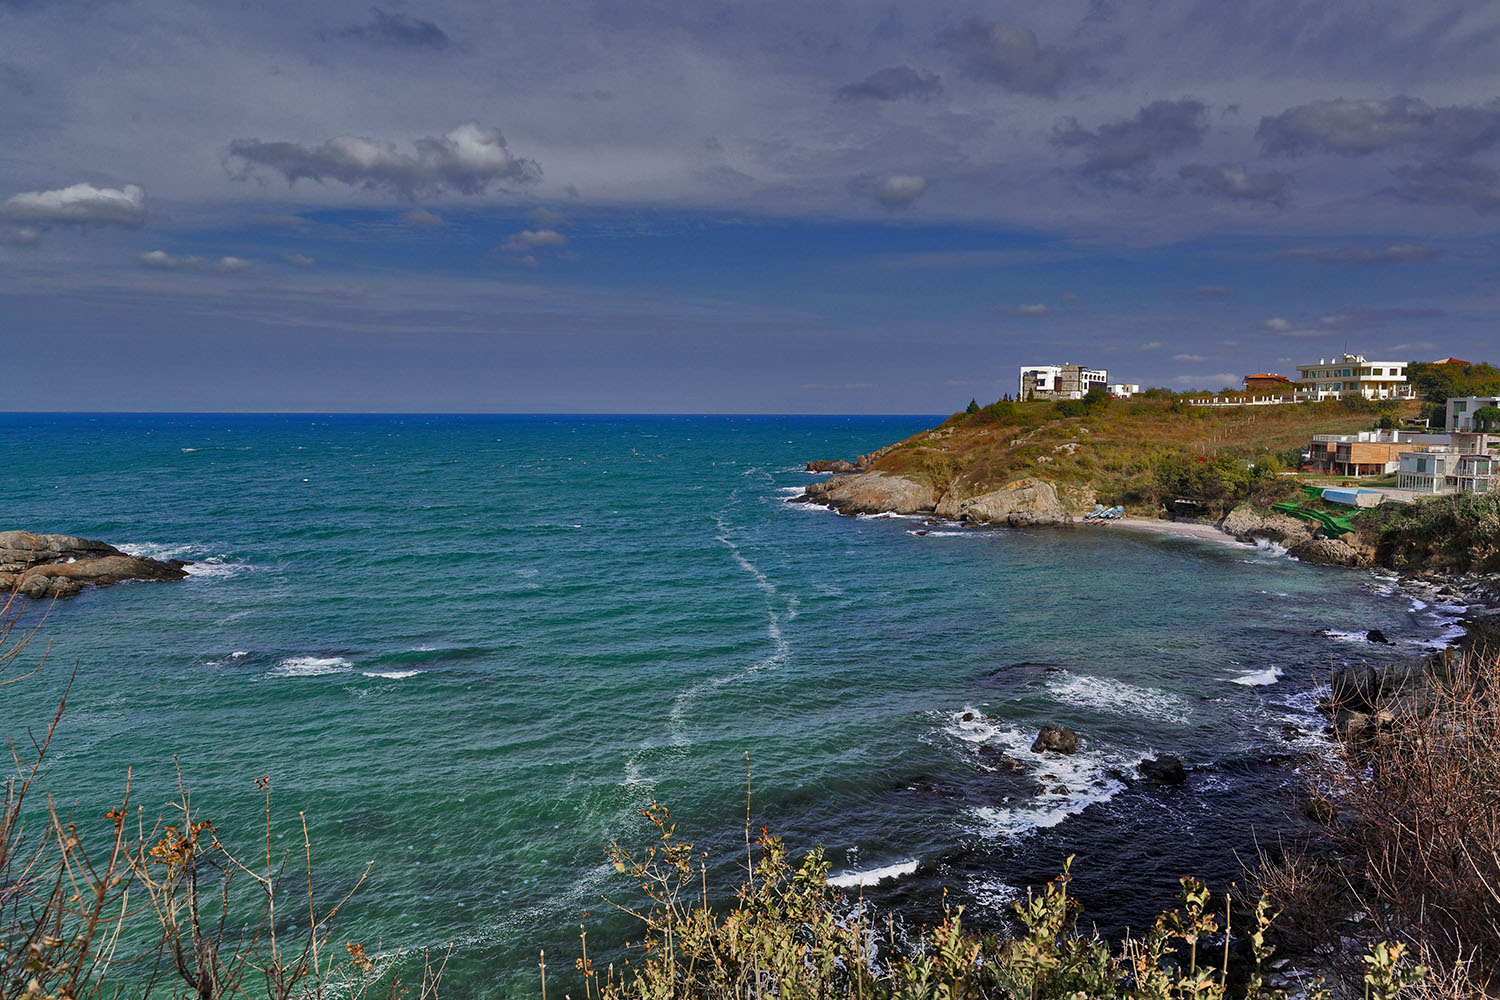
x=1300 y=538
x=872 y=493
x=43 y=566
x=1055 y=739
x=840 y=465
x=1164 y=769
x=1021 y=503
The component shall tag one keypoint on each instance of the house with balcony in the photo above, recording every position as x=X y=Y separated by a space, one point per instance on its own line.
x=1367 y=453
x=1062 y=381
x=1461 y=411
x=1351 y=375
x=1469 y=464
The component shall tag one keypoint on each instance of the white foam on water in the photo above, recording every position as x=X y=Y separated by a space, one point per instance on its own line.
x=311 y=666
x=1342 y=636
x=848 y=880
x=886 y=515
x=789 y=491
x=1106 y=694
x=157 y=550
x=1084 y=775
x=1258 y=678
x=214 y=568
x=392 y=675
x=949 y=533
x=1269 y=547
x=993 y=894
x=186 y=450
x=238 y=654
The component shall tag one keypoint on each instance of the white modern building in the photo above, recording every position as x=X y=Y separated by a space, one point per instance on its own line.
x=1352 y=375
x=1470 y=464
x=1123 y=390
x=1062 y=381
x=1461 y=411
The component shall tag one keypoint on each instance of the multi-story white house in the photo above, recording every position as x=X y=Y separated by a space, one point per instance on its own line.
x=1469 y=464
x=1352 y=375
x=1062 y=381
x=1461 y=411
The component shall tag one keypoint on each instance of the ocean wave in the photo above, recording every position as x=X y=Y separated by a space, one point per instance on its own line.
x=849 y=880
x=392 y=675
x=1106 y=694
x=1258 y=678
x=214 y=568
x=1069 y=784
x=311 y=666
x=158 y=550
x=947 y=533
x=1269 y=547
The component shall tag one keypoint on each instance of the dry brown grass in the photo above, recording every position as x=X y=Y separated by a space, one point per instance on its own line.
x=1111 y=449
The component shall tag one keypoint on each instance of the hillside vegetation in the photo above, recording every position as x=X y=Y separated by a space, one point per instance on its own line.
x=1126 y=451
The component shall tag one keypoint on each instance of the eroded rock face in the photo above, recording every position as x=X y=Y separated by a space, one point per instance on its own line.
x=44 y=566
x=1283 y=529
x=1326 y=552
x=1023 y=502
x=839 y=465
x=873 y=493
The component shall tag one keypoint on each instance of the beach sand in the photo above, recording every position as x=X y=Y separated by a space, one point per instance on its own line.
x=1183 y=529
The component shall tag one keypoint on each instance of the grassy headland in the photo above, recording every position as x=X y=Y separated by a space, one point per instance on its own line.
x=1124 y=451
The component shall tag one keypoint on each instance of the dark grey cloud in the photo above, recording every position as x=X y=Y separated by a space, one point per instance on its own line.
x=465 y=160
x=1124 y=150
x=1356 y=128
x=1364 y=256
x=1234 y=182
x=79 y=204
x=1010 y=56
x=894 y=83
x=398 y=30
x=1456 y=182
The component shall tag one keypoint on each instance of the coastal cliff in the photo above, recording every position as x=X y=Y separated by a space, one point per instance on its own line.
x=42 y=566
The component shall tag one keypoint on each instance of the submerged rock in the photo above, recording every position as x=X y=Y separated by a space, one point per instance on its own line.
x=1375 y=635
x=42 y=566
x=1055 y=739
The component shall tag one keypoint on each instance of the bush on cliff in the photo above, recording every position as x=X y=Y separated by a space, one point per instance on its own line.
x=1457 y=532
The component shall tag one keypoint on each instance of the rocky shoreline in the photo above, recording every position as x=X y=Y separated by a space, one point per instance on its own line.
x=48 y=566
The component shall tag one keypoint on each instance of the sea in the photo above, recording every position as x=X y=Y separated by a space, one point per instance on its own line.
x=469 y=650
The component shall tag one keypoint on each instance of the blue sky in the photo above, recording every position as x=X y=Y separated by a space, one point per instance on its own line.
x=774 y=207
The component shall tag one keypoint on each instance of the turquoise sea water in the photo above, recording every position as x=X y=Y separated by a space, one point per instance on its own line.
x=471 y=649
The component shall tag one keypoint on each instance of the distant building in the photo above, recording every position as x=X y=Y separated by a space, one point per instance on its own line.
x=1461 y=411
x=1352 y=375
x=1268 y=383
x=1060 y=381
x=1123 y=390
x=1368 y=453
x=1470 y=464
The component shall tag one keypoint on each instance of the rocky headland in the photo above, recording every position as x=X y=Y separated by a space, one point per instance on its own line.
x=45 y=566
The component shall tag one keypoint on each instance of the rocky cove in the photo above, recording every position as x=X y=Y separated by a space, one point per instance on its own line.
x=47 y=566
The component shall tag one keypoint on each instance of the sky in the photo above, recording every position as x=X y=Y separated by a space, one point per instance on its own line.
x=773 y=207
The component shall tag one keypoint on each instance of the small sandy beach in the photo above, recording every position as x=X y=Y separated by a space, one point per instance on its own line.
x=1186 y=529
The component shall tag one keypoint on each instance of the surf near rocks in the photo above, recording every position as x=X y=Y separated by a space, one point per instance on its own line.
x=44 y=566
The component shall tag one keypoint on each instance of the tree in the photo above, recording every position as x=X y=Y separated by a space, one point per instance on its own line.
x=1487 y=418
x=973 y=406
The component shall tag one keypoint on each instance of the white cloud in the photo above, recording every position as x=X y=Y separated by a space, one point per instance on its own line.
x=24 y=236
x=160 y=260
x=1024 y=309
x=1189 y=357
x=900 y=190
x=298 y=259
x=1277 y=324
x=421 y=218
x=533 y=239
x=80 y=203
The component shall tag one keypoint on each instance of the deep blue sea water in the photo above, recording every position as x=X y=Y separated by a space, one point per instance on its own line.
x=471 y=649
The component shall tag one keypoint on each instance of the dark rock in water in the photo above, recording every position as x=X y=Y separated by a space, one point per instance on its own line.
x=1116 y=774
x=1165 y=769
x=1059 y=789
x=1000 y=761
x=44 y=566
x=1375 y=635
x=1055 y=739
x=969 y=716
x=830 y=465
x=1290 y=732
x=1320 y=810
x=922 y=531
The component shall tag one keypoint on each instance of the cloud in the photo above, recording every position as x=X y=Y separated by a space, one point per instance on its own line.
x=1233 y=181
x=1220 y=380
x=1365 y=256
x=399 y=31
x=160 y=260
x=900 y=190
x=298 y=259
x=1025 y=309
x=533 y=239
x=1154 y=345
x=1189 y=357
x=1009 y=55
x=81 y=203
x=1460 y=182
x=1214 y=291
x=894 y=83
x=1357 y=128
x=466 y=159
x=421 y=218
x=1123 y=150
x=22 y=236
